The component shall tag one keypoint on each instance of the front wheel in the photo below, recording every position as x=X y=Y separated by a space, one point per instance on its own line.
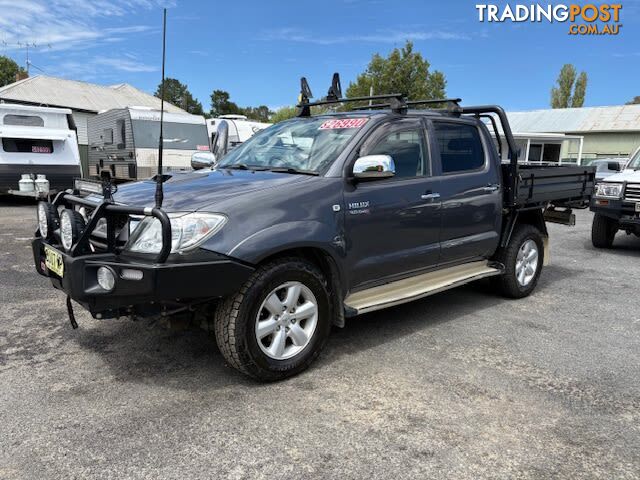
x=522 y=260
x=278 y=322
x=603 y=231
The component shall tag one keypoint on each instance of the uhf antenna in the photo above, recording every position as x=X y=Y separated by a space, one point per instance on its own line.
x=159 y=193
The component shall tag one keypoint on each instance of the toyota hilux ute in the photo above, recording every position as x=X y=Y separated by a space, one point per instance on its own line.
x=616 y=203
x=311 y=221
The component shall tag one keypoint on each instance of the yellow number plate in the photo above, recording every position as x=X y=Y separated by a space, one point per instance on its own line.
x=53 y=261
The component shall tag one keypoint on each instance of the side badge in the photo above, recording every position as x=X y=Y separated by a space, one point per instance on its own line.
x=336 y=208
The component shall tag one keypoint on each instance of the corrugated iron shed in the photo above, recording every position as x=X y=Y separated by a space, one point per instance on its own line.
x=83 y=96
x=620 y=118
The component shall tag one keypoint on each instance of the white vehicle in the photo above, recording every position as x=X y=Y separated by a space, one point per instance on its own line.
x=123 y=142
x=228 y=131
x=37 y=141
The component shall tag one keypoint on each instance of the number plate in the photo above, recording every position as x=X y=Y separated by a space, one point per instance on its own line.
x=638 y=207
x=53 y=261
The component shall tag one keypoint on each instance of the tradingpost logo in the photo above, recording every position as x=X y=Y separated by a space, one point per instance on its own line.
x=588 y=19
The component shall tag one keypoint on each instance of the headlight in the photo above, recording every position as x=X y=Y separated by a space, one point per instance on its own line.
x=188 y=230
x=609 y=190
x=47 y=219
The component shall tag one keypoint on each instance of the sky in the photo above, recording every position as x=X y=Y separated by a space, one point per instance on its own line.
x=258 y=49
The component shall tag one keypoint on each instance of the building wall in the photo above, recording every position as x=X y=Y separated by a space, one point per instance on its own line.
x=614 y=144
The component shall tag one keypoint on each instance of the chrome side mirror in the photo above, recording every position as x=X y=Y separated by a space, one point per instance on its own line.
x=371 y=167
x=202 y=160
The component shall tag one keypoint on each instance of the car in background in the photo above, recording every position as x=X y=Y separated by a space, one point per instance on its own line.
x=606 y=167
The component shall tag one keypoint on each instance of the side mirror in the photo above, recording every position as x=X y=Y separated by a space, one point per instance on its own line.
x=371 y=167
x=201 y=160
x=615 y=166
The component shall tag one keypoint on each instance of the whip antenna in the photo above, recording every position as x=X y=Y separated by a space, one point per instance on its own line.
x=159 y=192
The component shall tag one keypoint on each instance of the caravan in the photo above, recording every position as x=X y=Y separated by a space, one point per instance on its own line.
x=123 y=142
x=37 y=141
x=229 y=131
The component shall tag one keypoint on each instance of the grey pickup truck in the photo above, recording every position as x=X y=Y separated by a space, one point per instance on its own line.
x=312 y=221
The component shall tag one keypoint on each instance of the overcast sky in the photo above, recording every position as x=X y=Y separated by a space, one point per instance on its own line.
x=257 y=50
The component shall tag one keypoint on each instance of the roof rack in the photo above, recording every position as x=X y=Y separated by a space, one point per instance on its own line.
x=396 y=100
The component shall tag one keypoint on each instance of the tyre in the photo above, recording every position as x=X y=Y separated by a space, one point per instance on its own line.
x=276 y=325
x=522 y=258
x=603 y=230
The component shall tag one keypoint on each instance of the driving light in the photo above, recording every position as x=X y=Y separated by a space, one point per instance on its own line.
x=106 y=278
x=48 y=220
x=609 y=190
x=188 y=230
x=71 y=227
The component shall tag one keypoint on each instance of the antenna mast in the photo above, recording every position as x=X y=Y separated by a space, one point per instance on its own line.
x=159 y=192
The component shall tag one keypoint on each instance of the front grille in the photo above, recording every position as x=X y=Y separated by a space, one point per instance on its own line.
x=632 y=192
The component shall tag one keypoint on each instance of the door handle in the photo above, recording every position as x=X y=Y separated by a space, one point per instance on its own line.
x=491 y=188
x=430 y=196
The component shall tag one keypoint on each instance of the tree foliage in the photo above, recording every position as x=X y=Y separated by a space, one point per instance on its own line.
x=634 y=101
x=177 y=93
x=569 y=91
x=221 y=104
x=8 y=70
x=284 y=113
x=402 y=71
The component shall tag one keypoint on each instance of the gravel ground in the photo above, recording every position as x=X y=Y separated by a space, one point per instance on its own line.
x=460 y=385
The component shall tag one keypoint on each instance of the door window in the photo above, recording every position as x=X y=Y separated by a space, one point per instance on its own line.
x=407 y=150
x=460 y=147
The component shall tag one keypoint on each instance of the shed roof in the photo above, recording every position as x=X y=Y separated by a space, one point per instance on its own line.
x=620 y=118
x=60 y=92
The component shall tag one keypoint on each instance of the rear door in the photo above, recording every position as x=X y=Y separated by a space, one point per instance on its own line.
x=393 y=225
x=469 y=190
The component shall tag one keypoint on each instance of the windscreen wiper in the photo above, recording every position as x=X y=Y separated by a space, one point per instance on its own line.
x=243 y=166
x=293 y=170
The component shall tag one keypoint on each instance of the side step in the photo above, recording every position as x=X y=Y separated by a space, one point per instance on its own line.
x=412 y=288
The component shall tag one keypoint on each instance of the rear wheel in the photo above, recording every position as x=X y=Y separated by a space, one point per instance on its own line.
x=603 y=231
x=522 y=259
x=278 y=322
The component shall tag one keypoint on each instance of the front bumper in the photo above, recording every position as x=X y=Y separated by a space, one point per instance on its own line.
x=179 y=281
x=623 y=212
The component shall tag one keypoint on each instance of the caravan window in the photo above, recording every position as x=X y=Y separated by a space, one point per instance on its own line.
x=107 y=136
x=27 y=145
x=179 y=136
x=121 y=138
x=23 y=120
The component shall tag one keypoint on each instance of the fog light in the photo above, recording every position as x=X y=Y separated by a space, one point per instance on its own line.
x=131 y=274
x=106 y=278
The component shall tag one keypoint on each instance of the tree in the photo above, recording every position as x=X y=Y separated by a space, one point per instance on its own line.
x=569 y=92
x=403 y=71
x=177 y=93
x=221 y=105
x=8 y=70
x=283 y=113
x=634 y=101
x=260 y=114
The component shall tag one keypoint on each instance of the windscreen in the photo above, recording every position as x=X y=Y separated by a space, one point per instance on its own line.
x=634 y=163
x=309 y=144
x=179 y=136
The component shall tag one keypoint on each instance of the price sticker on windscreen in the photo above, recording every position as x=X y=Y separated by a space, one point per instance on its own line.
x=340 y=123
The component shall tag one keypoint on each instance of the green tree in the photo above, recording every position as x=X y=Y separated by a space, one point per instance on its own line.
x=221 y=105
x=569 y=92
x=8 y=70
x=634 y=101
x=284 y=113
x=402 y=71
x=260 y=114
x=177 y=93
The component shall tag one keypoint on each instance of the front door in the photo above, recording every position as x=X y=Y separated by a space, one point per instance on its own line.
x=393 y=225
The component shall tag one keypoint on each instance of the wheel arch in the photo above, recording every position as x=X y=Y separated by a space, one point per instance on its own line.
x=533 y=217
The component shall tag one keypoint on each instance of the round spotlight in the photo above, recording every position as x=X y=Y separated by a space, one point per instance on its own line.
x=71 y=227
x=106 y=278
x=48 y=220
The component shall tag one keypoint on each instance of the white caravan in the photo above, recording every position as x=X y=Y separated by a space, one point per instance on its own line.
x=123 y=142
x=37 y=141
